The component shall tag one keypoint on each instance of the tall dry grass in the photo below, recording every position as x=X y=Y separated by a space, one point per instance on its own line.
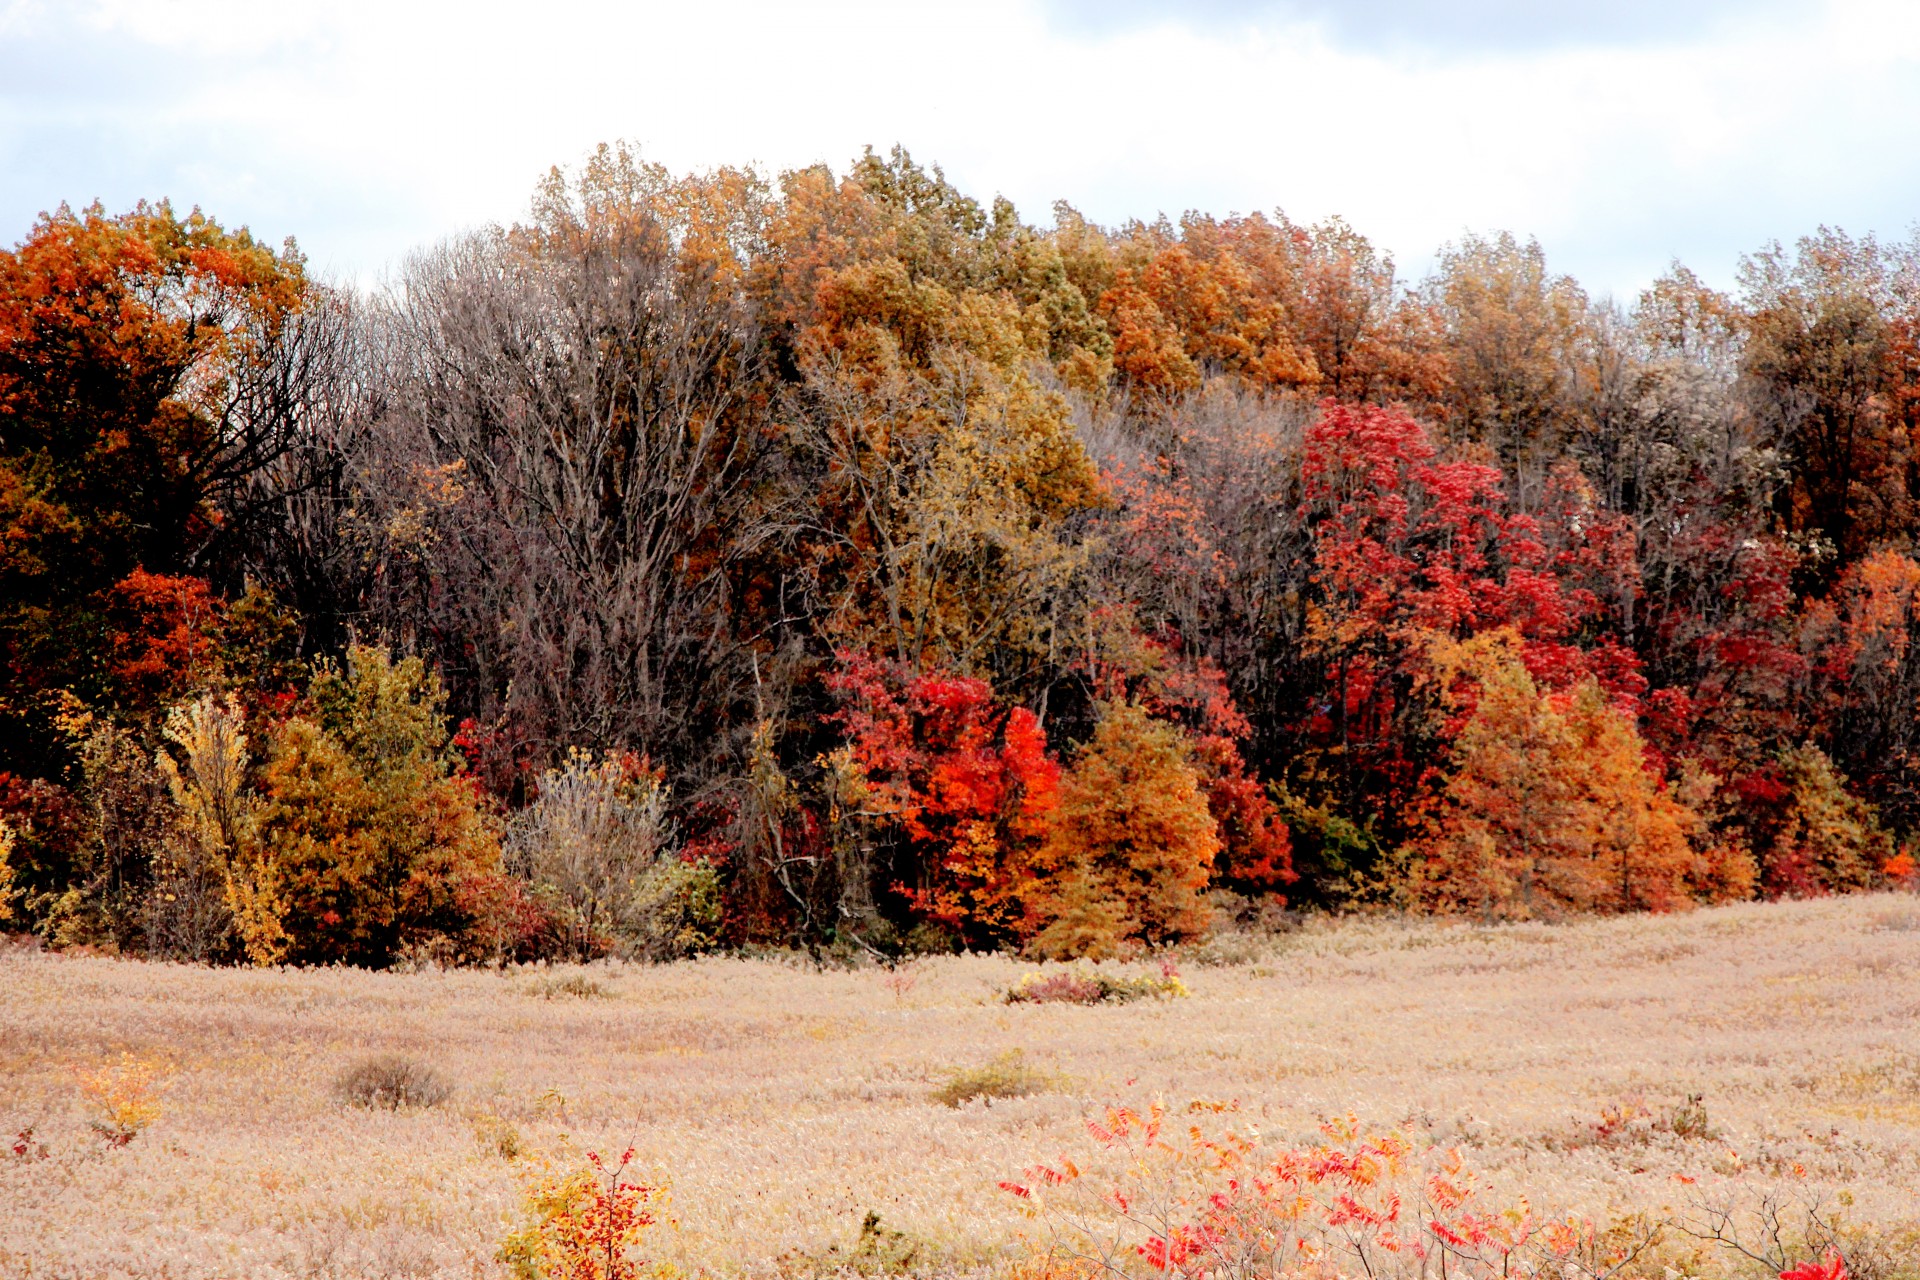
x=783 y=1104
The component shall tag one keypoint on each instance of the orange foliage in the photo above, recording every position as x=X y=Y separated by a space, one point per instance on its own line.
x=1548 y=805
x=164 y=643
x=1132 y=843
x=378 y=841
x=1213 y=298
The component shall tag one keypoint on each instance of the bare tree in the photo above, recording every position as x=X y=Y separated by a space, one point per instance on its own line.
x=584 y=398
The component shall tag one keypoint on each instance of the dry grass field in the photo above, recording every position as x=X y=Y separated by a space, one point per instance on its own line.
x=782 y=1103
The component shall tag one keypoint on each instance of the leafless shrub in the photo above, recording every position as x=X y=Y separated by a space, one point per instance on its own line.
x=391 y=1082
x=598 y=835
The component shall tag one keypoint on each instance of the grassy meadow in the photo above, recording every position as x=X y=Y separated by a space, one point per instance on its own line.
x=782 y=1104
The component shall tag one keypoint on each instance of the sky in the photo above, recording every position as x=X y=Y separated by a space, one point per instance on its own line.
x=1623 y=135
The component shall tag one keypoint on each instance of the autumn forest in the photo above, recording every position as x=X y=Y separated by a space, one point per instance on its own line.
x=838 y=562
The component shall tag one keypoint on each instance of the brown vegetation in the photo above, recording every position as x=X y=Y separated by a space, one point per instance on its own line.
x=1757 y=1049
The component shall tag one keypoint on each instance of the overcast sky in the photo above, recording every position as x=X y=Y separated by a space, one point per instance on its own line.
x=1622 y=133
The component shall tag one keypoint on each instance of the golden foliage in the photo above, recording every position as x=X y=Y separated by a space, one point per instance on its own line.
x=1132 y=844
x=1548 y=805
x=379 y=841
x=206 y=774
x=8 y=839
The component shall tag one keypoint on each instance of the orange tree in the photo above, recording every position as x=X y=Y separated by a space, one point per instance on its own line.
x=136 y=361
x=1547 y=804
x=1131 y=849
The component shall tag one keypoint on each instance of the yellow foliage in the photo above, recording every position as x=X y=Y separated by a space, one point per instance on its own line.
x=377 y=840
x=206 y=772
x=122 y=1097
x=1827 y=841
x=583 y=1224
x=8 y=838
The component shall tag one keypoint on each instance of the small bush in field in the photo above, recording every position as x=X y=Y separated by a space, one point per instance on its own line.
x=391 y=1082
x=1084 y=985
x=575 y=985
x=1689 y=1119
x=1008 y=1076
x=584 y=1225
x=498 y=1136
x=879 y=1251
x=124 y=1098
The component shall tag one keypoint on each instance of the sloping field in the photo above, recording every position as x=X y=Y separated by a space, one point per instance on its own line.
x=782 y=1104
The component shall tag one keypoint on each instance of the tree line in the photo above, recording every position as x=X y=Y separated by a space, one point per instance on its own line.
x=835 y=560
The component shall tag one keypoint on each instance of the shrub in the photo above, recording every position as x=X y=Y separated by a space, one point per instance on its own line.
x=498 y=1136
x=1132 y=843
x=220 y=875
x=1812 y=835
x=1008 y=1076
x=1083 y=984
x=8 y=839
x=1185 y=1204
x=376 y=841
x=576 y=985
x=1689 y=1119
x=942 y=788
x=391 y=1082
x=598 y=837
x=123 y=1098
x=583 y=1225
x=123 y=822
x=878 y=1251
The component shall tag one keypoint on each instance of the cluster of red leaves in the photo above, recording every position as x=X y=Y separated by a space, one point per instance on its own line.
x=1198 y=1205
x=968 y=779
x=1832 y=1267
x=1406 y=542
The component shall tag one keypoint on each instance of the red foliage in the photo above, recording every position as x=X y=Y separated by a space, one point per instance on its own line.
x=968 y=781
x=1405 y=541
x=164 y=639
x=1833 y=1267
x=1409 y=546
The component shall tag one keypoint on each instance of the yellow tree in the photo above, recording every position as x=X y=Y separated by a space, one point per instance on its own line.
x=1509 y=325
x=946 y=472
x=378 y=841
x=218 y=837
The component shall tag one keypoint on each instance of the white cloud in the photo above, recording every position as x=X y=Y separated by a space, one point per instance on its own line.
x=370 y=126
